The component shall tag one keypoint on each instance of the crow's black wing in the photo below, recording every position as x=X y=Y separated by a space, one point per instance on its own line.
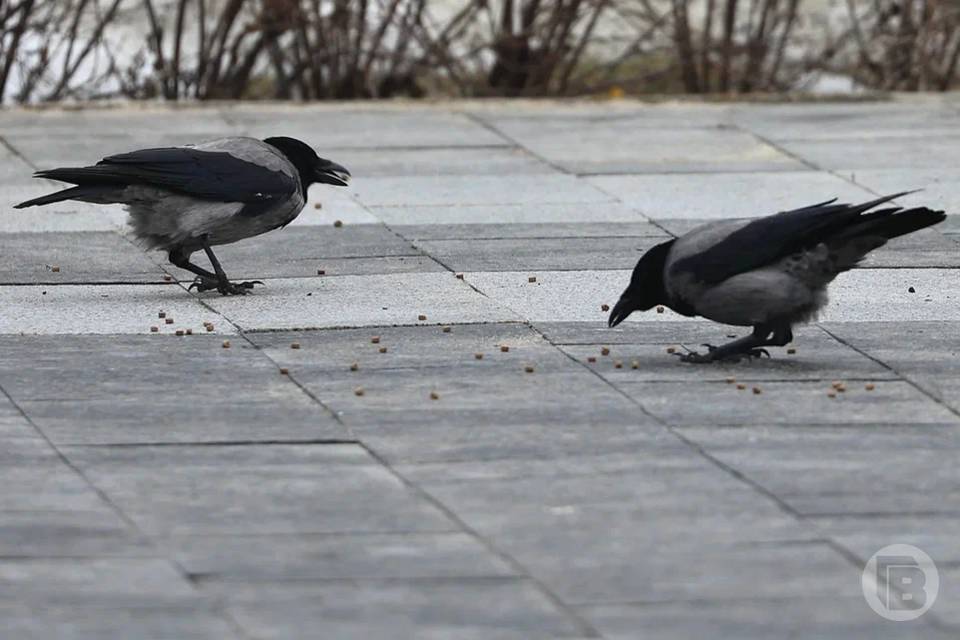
x=208 y=175
x=767 y=240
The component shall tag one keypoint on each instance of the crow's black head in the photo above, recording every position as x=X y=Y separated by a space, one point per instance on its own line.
x=646 y=288
x=311 y=167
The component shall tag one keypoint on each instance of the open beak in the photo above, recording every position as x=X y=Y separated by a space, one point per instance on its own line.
x=620 y=311
x=331 y=173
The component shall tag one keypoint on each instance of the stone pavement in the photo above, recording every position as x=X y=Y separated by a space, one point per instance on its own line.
x=157 y=486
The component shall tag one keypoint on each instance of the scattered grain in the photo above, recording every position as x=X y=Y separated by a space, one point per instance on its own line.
x=434 y=395
x=757 y=391
x=446 y=329
x=478 y=356
x=604 y=307
x=659 y=309
x=358 y=391
x=870 y=386
x=168 y=320
x=294 y=345
x=226 y=344
x=154 y=329
x=605 y=351
x=504 y=348
x=383 y=349
x=354 y=366
x=532 y=279
x=528 y=369
x=421 y=317
x=338 y=223
x=284 y=371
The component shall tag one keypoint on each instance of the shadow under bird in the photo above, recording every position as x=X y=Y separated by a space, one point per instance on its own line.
x=184 y=199
x=768 y=273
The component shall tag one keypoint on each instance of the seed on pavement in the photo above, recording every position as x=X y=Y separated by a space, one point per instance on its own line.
x=169 y=320
x=358 y=391
x=434 y=395
x=504 y=348
x=870 y=386
x=617 y=364
x=226 y=344
x=741 y=386
x=659 y=309
x=154 y=329
x=294 y=345
x=321 y=272
x=338 y=223
x=757 y=391
x=671 y=349
x=605 y=351
x=383 y=349
x=635 y=364
x=604 y=307
x=167 y=278
x=209 y=326
x=791 y=350
x=162 y=315
x=528 y=369
x=446 y=329
x=478 y=356
x=731 y=380
x=189 y=332
x=354 y=366
x=532 y=279
x=591 y=358
x=55 y=269
x=375 y=340
x=831 y=394
x=179 y=332
x=459 y=276
x=284 y=371
x=421 y=317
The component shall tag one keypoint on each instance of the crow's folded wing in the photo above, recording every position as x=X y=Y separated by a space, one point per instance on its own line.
x=767 y=240
x=207 y=175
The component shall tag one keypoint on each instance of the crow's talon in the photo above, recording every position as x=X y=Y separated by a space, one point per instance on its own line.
x=237 y=288
x=226 y=288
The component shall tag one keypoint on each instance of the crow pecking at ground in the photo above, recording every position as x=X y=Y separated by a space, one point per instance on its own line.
x=183 y=199
x=770 y=273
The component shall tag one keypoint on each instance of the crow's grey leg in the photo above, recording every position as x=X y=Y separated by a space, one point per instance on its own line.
x=750 y=345
x=205 y=280
x=223 y=285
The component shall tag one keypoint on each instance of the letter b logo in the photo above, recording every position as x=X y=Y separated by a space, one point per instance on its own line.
x=900 y=582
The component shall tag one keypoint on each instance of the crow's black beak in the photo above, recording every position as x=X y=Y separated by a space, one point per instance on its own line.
x=329 y=172
x=620 y=312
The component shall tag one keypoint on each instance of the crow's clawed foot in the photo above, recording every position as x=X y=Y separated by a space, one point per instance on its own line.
x=226 y=288
x=717 y=354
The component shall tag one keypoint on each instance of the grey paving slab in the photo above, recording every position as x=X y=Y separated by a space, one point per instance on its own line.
x=866 y=534
x=615 y=147
x=923 y=352
x=130 y=119
x=373 y=300
x=808 y=615
x=85 y=257
x=183 y=622
x=850 y=122
x=787 y=403
x=353 y=556
x=493 y=160
x=330 y=127
x=719 y=196
x=457 y=191
x=270 y=489
x=639 y=114
x=884 y=295
x=541 y=254
x=118 y=582
x=35 y=479
x=543 y=215
x=484 y=409
x=99 y=309
x=839 y=472
x=488 y=609
x=529 y=231
x=917 y=152
x=51 y=534
x=574 y=533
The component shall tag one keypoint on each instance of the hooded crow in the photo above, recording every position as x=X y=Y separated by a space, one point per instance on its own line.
x=769 y=273
x=183 y=199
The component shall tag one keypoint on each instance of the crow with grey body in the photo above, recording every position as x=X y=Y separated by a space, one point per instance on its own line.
x=184 y=199
x=768 y=273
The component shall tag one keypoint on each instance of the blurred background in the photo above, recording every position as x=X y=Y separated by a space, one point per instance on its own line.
x=56 y=50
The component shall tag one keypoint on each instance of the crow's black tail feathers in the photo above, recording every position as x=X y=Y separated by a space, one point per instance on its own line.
x=73 y=193
x=891 y=223
x=90 y=183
